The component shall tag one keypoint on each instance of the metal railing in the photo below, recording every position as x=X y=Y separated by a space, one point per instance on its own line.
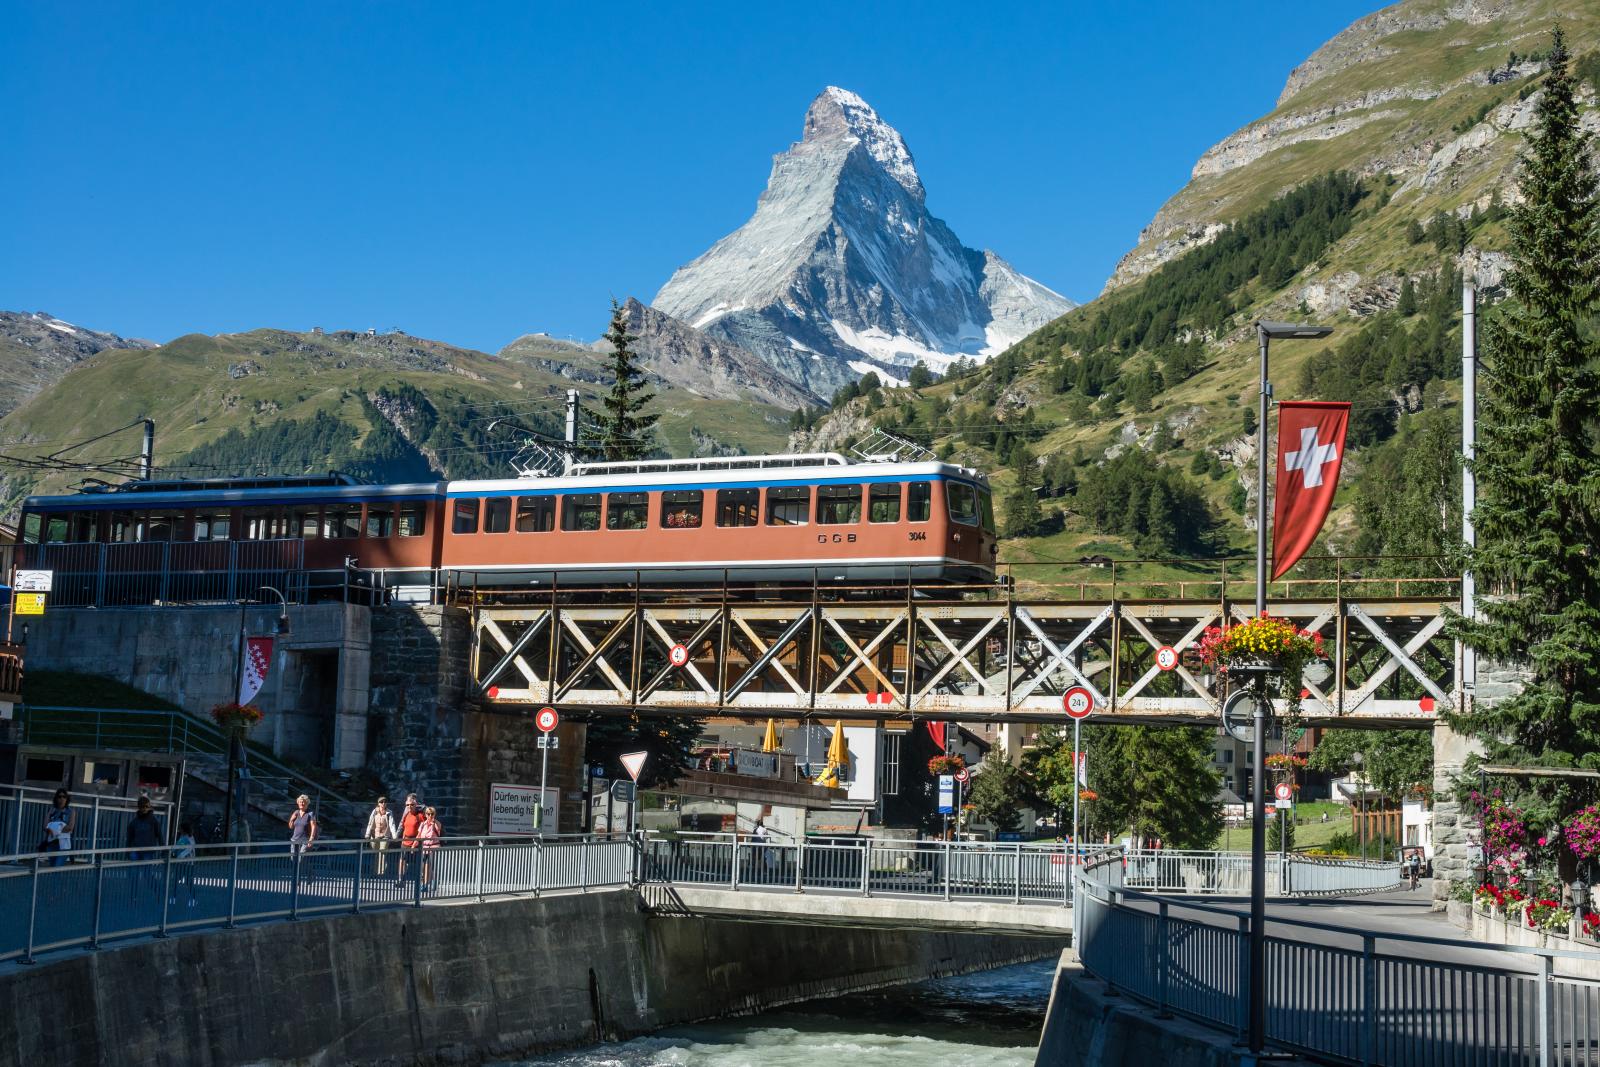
x=166 y=731
x=101 y=575
x=1335 y=993
x=101 y=822
x=1228 y=873
x=947 y=870
x=107 y=895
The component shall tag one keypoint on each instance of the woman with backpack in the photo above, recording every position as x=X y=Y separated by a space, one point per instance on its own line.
x=429 y=833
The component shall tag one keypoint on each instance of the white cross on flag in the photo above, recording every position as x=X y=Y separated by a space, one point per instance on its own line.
x=257 y=661
x=1310 y=451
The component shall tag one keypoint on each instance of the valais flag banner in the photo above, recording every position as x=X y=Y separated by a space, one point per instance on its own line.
x=1310 y=450
x=257 y=661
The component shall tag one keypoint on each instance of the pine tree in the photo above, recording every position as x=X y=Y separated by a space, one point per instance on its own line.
x=998 y=792
x=1021 y=513
x=1408 y=298
x=624 y=426
x=1538 y=466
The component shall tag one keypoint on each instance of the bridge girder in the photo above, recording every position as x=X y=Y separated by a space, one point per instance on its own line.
x=1010 y=660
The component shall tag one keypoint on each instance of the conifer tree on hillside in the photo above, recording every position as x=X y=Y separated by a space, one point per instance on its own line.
x=1538 y=465
x=624 y=425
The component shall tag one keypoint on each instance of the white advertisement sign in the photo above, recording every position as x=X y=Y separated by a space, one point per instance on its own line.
x=34 y=581
x=760 y=764
x=513 y=809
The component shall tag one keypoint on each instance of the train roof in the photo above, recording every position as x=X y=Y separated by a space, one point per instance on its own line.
x=641 y=475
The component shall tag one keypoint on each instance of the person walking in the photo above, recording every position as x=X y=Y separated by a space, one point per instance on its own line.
x=143 y=837
x=302 y=835
x=59 y=822
x=1414 y=866
x=428 y=833
x=410 y=821
x=183 y=864
x=381 y=829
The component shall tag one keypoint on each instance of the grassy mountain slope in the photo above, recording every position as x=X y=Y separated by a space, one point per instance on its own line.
x=388 y=405
x=1419 y=109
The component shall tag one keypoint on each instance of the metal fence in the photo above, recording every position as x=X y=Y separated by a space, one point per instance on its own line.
x=101 y=822
x=1020 y=873
x=111 y=894
x=94 y=574
x=1228 y=873
x=1334 y=993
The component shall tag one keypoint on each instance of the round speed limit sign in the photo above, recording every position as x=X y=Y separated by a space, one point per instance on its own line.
x=679 y=655
x=962 y=775
x=1166 y=657
x=1284 y=791
x=547 y=719
x=1078 y=702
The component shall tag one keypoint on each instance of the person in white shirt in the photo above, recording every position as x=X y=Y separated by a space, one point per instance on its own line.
x=381 y=829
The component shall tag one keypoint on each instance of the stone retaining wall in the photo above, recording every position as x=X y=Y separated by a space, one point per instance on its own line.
x=452 y=984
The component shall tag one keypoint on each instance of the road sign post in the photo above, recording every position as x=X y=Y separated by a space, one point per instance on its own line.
x=1078 y=702
x=633 y=763
x=546 y=720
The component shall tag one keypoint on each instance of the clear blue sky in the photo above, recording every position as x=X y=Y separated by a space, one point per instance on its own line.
x=474 y=171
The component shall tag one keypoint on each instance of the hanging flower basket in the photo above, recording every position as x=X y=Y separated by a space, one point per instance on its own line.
x=236 y=718
x=946 y=765
x=1583 y=832
x=1088 y=794
x=1285 y=762
x=1266 y=651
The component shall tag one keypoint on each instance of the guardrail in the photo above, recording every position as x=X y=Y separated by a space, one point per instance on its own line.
x=102 y=822
x=114 y=894
x=1348 y=996
x=165 y=731
x=948 y=870
x=125 y=574
x=1228 y=873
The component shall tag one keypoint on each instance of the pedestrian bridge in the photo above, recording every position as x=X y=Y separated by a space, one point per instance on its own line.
x=100 y=897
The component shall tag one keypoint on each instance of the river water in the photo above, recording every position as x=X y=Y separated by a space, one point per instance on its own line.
x=981 y=1020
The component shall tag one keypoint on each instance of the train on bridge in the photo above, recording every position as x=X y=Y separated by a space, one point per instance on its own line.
x=779 y=518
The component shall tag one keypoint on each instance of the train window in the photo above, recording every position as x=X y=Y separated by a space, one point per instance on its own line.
x=580 y=511
x=211 y=527
x=413 y=519
x=883 y=503
x=464 y=516
x=55 y=528
x=627 y=511
x=123 y=528
x=788 y=505
x=681 y=509
x=380 y=520
x=738 y=507
x=986 y=508
x=919 y=501
x=304 y=523
x=497 y=514
x=342 y=522
x=536 y=514
x=162 y=526
x=963 y=502
x=265 y=524
x=32 y=523
x=838 y=504
x=85 y=526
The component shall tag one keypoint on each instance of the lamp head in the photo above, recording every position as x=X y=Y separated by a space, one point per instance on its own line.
x=1291 y=330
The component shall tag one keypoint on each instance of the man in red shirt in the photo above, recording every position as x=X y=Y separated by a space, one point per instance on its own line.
x=410 y=822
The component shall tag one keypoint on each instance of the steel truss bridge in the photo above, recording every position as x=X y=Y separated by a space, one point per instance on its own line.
x=882 y=654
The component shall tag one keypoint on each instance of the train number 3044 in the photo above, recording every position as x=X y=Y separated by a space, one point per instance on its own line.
x=919 y=535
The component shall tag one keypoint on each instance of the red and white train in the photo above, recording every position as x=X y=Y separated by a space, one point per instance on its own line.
x=767 y=518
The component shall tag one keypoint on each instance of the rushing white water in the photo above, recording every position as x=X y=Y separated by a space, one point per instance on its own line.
x=982 y=1020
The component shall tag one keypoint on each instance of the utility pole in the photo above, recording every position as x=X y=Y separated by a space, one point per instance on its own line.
x=1469 y=480
x=147 y=450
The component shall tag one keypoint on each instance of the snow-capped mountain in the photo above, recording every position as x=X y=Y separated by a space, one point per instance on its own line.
x=842 y=270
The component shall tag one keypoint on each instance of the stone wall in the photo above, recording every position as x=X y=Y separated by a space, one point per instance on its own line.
x=448 y=984
x=416 y=689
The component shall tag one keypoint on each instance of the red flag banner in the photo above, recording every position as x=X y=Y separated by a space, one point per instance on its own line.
x=936 y=732
x=257 y=661
x=1310 y=452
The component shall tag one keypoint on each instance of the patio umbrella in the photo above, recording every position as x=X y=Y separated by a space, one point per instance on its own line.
x=838 y=757
x=769 y=740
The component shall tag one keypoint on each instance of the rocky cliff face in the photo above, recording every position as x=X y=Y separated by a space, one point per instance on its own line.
x=37 y=348
x=703 y=364
x=842 y=270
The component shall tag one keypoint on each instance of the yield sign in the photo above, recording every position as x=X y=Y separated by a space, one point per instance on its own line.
x=633 y=763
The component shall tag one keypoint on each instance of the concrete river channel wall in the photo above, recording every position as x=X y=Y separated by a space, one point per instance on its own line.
x=449 y=984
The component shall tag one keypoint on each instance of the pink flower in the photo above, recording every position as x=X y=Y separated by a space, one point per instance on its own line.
x=1542 y=842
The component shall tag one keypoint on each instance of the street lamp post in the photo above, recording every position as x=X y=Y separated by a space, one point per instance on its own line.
x=236 y=749
x=1257 y=1029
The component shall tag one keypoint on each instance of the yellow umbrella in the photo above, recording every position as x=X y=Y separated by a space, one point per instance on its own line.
x=769 y=741
x=838 y=757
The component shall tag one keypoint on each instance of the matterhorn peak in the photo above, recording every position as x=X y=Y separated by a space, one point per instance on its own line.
x=838 y=113
x=842 y=270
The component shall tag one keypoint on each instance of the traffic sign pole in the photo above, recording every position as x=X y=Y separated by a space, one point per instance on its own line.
x=1078 y=702
x=546 y=721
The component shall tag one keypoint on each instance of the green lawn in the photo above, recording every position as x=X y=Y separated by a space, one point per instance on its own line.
x=1310 y=831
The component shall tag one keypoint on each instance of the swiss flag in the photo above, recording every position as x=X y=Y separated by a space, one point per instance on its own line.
x=936 y=732
x=1310 y=451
